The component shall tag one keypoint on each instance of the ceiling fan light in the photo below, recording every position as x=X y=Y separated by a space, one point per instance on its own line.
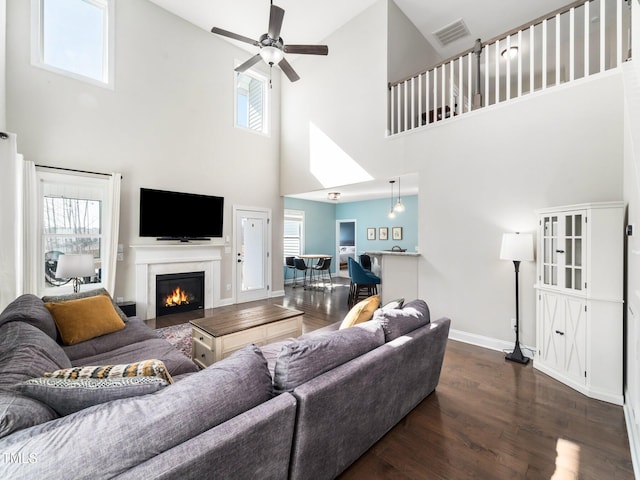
x=271 y=55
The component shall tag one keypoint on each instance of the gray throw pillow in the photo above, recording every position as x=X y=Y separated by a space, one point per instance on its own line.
x=66 y=396
x=398 y=322
x=30 y=309
x=86 y=294
x=301 y=360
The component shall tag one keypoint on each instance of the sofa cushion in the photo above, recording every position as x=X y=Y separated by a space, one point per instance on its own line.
x=146 y=368
x=142 y=427
x=398 y=322
x=85 y=294
x=30 y=309
x=135 y=331
x=361 y=312
x=303 y=359
x=85 y=318
x=66 y=395
x=25 y=352
x=176 y=362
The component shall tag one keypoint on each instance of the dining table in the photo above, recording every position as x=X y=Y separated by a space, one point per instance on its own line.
x=308 y=260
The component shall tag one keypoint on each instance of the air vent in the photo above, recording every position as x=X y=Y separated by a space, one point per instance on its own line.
x=452 y=32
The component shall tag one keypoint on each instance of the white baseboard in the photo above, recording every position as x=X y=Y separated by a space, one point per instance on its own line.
x=634 y=437
x=225 y=302
x=277 y=293
x=488 y=342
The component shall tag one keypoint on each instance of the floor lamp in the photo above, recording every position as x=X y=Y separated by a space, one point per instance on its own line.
x=517 y=247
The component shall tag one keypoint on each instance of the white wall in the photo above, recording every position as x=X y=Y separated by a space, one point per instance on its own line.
x=480 y=175
x=408 y=51
x=168 y=123
x=3 y=69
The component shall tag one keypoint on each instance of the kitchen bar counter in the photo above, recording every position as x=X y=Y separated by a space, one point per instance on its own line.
x=398 y=272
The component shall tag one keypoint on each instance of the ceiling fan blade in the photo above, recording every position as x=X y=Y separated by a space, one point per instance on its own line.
x=275 y=21
x=307 y=49
x=235 y=36
x=249 y=63
x=288 y=70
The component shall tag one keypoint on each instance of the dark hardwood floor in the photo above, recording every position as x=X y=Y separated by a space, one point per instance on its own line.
x=487 y=419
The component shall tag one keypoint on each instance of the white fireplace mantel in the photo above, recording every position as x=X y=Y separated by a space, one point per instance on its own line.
x=160 y=259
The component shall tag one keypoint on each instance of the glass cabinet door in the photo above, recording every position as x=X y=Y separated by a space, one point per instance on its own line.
x=563 y=243
x=550 y=254
x=573 y=246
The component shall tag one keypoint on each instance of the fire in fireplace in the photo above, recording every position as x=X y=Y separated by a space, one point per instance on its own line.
x=179 y=292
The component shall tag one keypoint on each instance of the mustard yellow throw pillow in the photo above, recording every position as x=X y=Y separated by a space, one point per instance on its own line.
x=85 y=318
x=361 y=312
x=145 y=368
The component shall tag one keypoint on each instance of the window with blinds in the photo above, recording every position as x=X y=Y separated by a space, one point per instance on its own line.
x=293 y=233
x=251 y=102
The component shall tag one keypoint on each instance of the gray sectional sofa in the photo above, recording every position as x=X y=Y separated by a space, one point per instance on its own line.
x=302 y=408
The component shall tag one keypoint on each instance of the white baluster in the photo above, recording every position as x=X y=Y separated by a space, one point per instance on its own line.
x=603 y=32
x=587 y=47
x=572 y=44
x=557 y=49
x=532 y=60
x=507 y=58
x=520 y=53
x=544 y=54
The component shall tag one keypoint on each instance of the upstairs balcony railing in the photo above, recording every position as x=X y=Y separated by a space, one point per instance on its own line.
x=582 y=39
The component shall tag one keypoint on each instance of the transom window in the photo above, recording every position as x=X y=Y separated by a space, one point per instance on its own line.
x=251 y=102
x=74 y=38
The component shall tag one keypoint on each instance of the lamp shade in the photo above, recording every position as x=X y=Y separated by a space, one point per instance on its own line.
x=517 y=246
x=73 y=265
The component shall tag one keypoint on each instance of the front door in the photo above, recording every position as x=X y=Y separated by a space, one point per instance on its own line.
x=252 y=244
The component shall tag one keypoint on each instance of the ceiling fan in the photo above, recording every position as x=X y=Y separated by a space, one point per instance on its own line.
x=272 y=47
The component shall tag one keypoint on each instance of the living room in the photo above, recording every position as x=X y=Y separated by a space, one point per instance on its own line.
x=168 y=123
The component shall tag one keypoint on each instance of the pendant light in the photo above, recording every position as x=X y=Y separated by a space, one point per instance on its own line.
x=399 y=206
x=391 y=213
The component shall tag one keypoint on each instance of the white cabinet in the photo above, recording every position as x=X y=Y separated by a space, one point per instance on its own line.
x=579 y=303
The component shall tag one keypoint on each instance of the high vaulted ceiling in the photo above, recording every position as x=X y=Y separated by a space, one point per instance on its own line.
x=312 y=21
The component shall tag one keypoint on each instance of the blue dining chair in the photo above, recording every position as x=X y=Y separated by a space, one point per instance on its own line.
x=363 y=283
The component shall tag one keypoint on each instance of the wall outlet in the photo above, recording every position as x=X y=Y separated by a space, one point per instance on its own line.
x=228 y=287
x=119 y=299
x=513 y=324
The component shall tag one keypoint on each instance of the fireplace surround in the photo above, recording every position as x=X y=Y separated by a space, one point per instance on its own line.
x=169 y=258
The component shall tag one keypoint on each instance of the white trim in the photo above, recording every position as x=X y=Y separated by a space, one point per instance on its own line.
x=488 y=342
x=634 y=437
x=37 y=58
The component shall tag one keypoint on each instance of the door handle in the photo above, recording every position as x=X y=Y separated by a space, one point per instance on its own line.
x=560 y=251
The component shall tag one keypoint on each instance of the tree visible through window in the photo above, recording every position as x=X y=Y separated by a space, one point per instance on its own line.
x=70 y=225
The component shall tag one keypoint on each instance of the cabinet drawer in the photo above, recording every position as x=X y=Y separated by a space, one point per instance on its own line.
x=202 y=353
x=202 y=337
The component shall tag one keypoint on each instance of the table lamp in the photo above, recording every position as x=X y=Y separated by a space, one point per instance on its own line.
x=517 y=247
x=74 y=266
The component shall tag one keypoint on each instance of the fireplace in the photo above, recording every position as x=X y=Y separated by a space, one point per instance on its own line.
x=179 y=292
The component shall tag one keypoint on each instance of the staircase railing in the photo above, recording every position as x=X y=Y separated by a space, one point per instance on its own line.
x=584 y=38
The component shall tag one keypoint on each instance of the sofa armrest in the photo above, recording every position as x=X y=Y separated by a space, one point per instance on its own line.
x=255 y=444
x=344 y=411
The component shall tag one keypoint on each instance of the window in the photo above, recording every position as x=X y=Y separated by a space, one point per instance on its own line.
x=293 y=233
x=251 y=102
x=72 y=220
x=74 y=38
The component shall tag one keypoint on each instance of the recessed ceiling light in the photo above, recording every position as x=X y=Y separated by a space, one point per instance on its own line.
x=333 y=195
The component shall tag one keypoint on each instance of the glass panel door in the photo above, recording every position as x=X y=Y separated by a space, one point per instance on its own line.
x=550 y=243
x=573 y=252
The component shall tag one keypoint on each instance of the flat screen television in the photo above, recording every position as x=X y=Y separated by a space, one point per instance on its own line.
x=184 y=216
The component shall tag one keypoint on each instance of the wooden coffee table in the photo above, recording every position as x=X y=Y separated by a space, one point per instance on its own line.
x=219 y=334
